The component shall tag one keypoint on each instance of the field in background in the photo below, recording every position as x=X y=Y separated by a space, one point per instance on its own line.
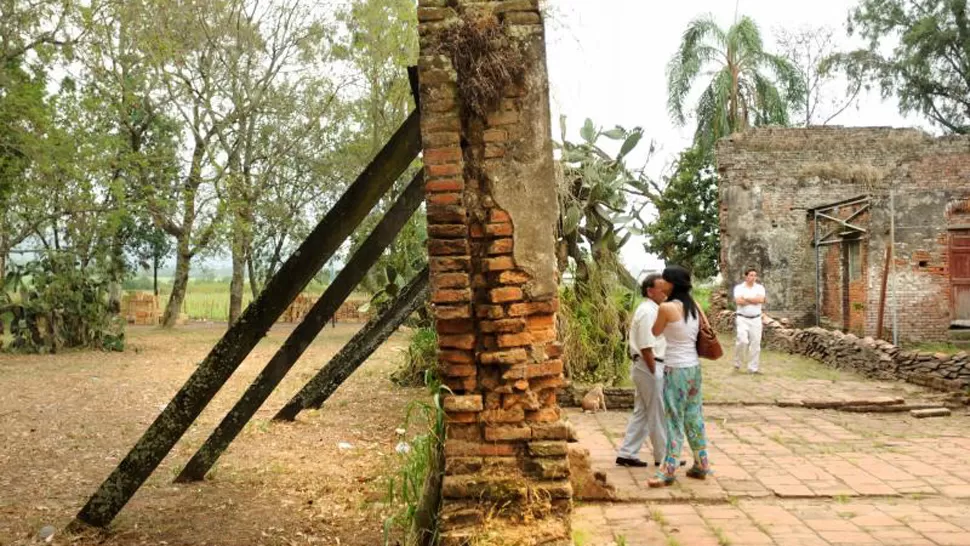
x=208 y=299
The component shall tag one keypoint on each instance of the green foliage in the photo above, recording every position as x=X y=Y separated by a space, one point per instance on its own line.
x=928 y=69
x=57 y=305
x=686 y=230
x=748 y=86
x=421 y=456
x=595 y=316
x=420 y=361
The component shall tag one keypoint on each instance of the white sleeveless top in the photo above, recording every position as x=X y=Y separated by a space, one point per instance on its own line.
x=682 y=342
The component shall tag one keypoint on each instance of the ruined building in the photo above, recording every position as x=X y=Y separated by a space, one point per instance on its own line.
x=818 y=211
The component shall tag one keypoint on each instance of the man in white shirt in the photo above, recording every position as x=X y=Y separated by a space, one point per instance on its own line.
x=647 y=352
x=749 y=296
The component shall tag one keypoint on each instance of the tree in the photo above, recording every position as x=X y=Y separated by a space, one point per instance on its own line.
x=749 y=86
x=928 y=69
x=808 y=50
x=686 y=229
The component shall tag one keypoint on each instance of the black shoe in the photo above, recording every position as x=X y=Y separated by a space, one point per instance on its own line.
x=682 y=463
x=623 y=461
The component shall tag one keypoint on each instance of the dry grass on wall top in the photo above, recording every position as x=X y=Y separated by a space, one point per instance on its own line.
x=862 y=174
x=486 y=57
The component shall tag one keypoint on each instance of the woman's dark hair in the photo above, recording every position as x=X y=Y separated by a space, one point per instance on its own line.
x=680 y=279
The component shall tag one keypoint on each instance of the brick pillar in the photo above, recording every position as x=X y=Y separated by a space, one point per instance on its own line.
x=492 y=211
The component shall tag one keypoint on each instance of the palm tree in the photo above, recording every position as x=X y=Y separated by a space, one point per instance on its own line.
x=748 y=86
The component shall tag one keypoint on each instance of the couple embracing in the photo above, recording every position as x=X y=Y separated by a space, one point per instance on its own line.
x=666 y=373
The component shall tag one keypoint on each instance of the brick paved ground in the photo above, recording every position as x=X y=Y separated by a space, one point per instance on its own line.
x=791 y=476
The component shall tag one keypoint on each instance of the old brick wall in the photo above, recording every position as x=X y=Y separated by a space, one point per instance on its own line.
x=491 y=213
x=771 y=177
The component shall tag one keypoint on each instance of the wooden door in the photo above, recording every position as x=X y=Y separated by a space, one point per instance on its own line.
x=960 y=276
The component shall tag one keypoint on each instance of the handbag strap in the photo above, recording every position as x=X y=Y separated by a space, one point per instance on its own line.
x=704 y=317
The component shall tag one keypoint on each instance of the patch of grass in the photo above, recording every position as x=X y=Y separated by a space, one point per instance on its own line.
x=760 y=526
x=846 y=515
x=734 y=501
x=802 y=369
x=841 y=499
x=420 y=360
x=722 y=539
x=934 y=347
x=672 y=541
x=621 y=540
x=658 y=516
x=581 y=537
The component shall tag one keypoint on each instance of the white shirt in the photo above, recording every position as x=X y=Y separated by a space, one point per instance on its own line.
x=682 y=342
x=742 y=290
x=641 y=333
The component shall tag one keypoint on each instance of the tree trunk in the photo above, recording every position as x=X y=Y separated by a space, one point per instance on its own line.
x=3 y=267
x=155 y=274
x=179 y=285
x=238 y=270
x=253 y=282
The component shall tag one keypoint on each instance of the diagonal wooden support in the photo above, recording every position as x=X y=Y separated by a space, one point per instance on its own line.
x=255 y=321
x=303 y=335
x=358 y=349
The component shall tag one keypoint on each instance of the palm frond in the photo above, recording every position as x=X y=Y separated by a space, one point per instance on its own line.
x=686 y=63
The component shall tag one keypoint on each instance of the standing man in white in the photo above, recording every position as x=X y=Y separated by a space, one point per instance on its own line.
x=749 y=296
x=647 y=373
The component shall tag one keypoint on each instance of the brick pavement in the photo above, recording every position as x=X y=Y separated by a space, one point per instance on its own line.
x=791 y=476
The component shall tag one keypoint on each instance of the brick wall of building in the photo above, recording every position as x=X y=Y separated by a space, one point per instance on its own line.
x=491 y=210
x=771 y=177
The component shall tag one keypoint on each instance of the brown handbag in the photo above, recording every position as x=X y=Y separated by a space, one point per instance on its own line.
x=708 y=345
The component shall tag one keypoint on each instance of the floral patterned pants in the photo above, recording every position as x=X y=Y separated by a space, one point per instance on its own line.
x=684 y=410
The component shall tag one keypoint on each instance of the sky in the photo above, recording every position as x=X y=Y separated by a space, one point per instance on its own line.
x=606 y=61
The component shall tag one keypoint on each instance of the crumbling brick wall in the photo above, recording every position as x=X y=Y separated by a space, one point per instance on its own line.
x=492 y=209
x=771 y=177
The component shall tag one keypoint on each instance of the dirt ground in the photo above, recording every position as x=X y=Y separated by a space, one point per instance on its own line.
x=66 y=421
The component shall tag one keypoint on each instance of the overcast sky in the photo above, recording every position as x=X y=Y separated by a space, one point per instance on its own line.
x=607 y=58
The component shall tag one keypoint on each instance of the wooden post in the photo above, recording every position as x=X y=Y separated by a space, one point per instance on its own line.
x=357 y=350
x=256 y=320
x=303 y=335
x=882 y=293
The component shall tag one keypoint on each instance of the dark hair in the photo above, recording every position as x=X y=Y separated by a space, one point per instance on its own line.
x=649 y=282
x=680 y=279
x=749 y=270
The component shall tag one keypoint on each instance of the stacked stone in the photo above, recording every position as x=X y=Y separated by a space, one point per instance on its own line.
x=505 y=445
x=871 y=357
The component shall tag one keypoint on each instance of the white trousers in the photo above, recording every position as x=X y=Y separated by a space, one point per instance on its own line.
x=748 y=347
x=648 y=414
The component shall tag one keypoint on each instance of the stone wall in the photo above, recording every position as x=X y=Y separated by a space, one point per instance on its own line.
x=492 y=208
x=871 y=357
x=771 y=178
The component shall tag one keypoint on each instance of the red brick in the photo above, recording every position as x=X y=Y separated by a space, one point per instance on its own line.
x=498 y=264
x=447 y=312
x=541 y=322
x=515 y=372
x=513 y=356
x=499 y=216
x=514 y=277
x=468 y=402
x=545 y=369
x=442 y=155
x=457 y=448
x=515 y=340
x=522 y=385
x=450 y=280
x=444 y=199
x=500 y=246
x=447 y=231
x=476 y=231
x=460 y=370
x=463 y=418
x=550 y=431
x=503 y=229
x=450 y=169
x=495 y=135
x=507 y=433
x=441 y=138
x=494 y=151
x=445 y=185
x=456 y=357
x=515 y=415
x=461 y=384
x=493 y=400
x=463 y=341
x=446 y=214
x=505 y=294
x=533 y=308
x=457 y=326
x=525 y=400
x=543 y=336
x=440 y=123
x=546 y=383
x=447 y=247
x=451 y=295
x=504 y=325
x=544 y=415
x=489 y=311
x=502 y=118
x=449 y=264
x=554 y=350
